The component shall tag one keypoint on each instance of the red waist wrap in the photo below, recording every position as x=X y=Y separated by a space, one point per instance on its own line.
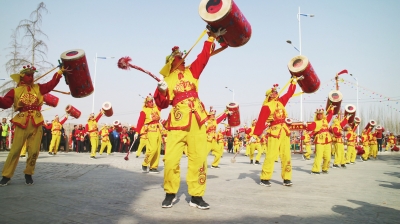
x=183 y=96
x=27 y=108
x=279 y=121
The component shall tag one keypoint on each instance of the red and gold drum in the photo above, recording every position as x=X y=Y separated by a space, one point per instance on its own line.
x=78 y=76
x=301 y=66
x=335 y=99
x=370 y=124
x=350 y=109
x=234 y=118
x=108 y=111
x=72 y=111
x=50 y=100
x=225 y=14
x=117 y=126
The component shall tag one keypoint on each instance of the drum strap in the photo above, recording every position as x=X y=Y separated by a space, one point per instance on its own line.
x=26 y=108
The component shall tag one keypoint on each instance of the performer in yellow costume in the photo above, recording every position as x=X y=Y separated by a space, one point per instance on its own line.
x=55 y=127
x=322 y=140
x=213 y=144
x=337 y=131
x=254 y=142
x=307 y=142
x=274 y=112
x=351 y=137
x=105 y=139
x=219 y=150
x=373 y=145
x=149 y=122
x=27 y=99
x=236 y=144
x=365 y=143
x=185 y=123
x=262 y=150
x=391 y=143
x=92 y=129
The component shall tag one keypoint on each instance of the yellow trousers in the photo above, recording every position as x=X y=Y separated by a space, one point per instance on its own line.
x=279 y=146
x=23 y=150
x=339 y=154
x=55 y=143
x=153 y=149
x=33 y=137
x=374 y=150
x=236 y=148
x=142 y=144
x=94 y=141
x=260 y=150
x=248 y=148
x=351 y=154
x=365 y=156
x=218 y=153
x=333 y=148
x=322 y=155
x=307 y=147
x=105 y=144
x=193 y=138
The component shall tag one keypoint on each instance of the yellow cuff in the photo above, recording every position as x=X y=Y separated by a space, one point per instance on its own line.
x=60 y=72
x=211 y=39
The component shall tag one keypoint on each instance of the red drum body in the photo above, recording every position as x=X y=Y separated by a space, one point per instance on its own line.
x=50 y=100
x=108 y=111
x=78 y=78
x=350 y=109
x=370 y=124
x=335 y=99
x=234 y=118
x=225 y=14
x=72 y=111
x=301 y=66
x=117 y=126
x=360 y=150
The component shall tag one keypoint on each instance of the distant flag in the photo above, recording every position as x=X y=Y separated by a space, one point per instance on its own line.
x=342 y=72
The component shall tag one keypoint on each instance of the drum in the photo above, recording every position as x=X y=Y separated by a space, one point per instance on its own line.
x=335 y=99
x=350 y=109
x=288 y=121
x=378 y=127
x=108 y=111
x=370 y=124
x=234 y=118
x=117 y=126
x=50 y=100
x=360 y=150
x=225 y=14
x=78 y=77
x=301 y=66
x=72 y=111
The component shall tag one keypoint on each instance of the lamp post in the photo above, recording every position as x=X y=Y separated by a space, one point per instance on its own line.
x=94 y=79
x=299 y=14
x=358 y=128
x=233 y=93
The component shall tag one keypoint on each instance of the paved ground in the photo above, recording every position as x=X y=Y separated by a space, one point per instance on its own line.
x=71 y=188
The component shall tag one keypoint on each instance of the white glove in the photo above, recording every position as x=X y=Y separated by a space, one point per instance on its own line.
x=220 y=32
x=305 y=123
x=252 y=139
x=135 y=136
x=162 y=85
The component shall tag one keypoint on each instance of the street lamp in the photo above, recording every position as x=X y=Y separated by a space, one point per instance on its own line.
x=233 y=93
x=358 y=128
x=94 y=79
x=299 y=50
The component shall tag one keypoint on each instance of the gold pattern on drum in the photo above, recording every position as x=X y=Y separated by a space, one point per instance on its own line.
x=27 y=99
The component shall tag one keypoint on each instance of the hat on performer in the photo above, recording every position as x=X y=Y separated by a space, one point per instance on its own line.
x=169 y=59
x=273 y=89
x=148 y=98
x=30 y=70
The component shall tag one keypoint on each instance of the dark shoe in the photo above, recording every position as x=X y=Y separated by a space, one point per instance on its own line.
x=257 y=163
x=153 y=170
x=169 y=199
x=343 y=166
x=324 y=172
x=215 y=167
x=144 y=169
x=28 y=179
x=137 y=156
x=92 y=157
x=265 y=183
x=251 y=161
x=4 y=181
x=315 y=173
x=198 y=202
x=50 y=153
x=287 y=183
x=335 y=166
x=22 y=156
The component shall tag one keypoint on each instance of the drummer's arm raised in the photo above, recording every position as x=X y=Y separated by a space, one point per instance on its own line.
x=262 y=118
x=221 y=117
x=140 y=122
x=8 y=100
x=50 y=85
x=201 y=61
x=285 y=98
x=330 y=114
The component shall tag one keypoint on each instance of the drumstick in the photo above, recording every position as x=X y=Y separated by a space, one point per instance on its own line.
x=45 y=74
x=123 y=63
x=58 y=91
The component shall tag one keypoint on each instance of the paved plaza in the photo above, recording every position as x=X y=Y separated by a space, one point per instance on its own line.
x=71 y=188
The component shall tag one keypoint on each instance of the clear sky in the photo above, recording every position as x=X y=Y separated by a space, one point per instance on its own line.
x=361 y=36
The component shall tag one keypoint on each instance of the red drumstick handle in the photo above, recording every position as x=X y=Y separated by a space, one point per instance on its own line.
x=145 y=71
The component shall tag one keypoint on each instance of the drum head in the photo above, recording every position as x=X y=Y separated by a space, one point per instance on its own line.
x=378 y=127
x=72 y=54
x=116 y=123
x=357 y=119
x=350 y=108
x=106 y=106
x=232 y=105
x=288 y=120
x=214 y=10
x=298 y=64
x=68 y=108
x=372 y=122
x=335 y=96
